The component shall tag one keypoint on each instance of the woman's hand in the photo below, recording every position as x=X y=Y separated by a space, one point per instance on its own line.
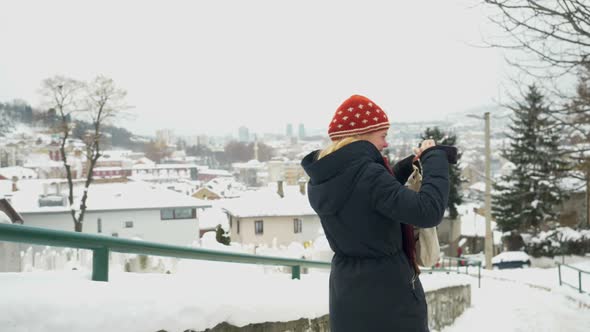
x=427 y=143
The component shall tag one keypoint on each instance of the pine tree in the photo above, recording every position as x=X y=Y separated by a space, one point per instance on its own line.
x=455 y=197
x=529 y=196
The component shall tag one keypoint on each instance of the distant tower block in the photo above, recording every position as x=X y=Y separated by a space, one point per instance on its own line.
x=301 y=131
x=255 y=148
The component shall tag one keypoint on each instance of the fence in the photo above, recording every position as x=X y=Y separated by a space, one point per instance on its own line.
x=575 y=269
x=102 y=245
x=454 y=264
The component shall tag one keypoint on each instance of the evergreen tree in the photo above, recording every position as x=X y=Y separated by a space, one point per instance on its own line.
x=221 y=236
x=455 y=196
x=528 y=197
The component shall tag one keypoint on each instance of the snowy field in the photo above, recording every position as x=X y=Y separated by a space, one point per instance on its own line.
x=202 y=294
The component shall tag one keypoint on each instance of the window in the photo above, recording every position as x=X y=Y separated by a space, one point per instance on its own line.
x=179 y=213
x=183 y=213
x=258 y=227
x=167 y=214
x=238 y=223
x=297 y=225
x=129 y=224
x=99 y=225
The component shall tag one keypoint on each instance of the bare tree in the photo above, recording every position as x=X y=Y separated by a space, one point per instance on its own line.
x=97 y=102
x=103 y=103
x=575 y=120
x=63 y=94
x=556 y=33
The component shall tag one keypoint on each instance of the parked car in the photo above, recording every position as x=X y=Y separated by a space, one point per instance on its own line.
x=511 y=260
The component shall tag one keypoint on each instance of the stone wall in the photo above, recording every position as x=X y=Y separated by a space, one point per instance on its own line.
x=10 y=260
x=321 y=324
x=444 y=305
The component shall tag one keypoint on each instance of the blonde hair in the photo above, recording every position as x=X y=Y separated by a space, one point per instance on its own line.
x=337 y=145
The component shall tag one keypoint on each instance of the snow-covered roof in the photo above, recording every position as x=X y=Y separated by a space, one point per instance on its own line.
x=266 y=203
x=252 y=164
x=116 y=154
x=217 y=172
x=17 y=171
x=179 y=185
x=41 y=160
x=225 y=187
x=144 y=161
x=163 y=166
x=103 y=169
x=104 y=197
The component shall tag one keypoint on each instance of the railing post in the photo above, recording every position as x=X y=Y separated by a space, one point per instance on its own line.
x=580 y=281
x=296 y=272
x=479 y=275
x=100 y=264
x=559 y=272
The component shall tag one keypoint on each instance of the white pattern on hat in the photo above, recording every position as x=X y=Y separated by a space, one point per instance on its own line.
x=362 y=119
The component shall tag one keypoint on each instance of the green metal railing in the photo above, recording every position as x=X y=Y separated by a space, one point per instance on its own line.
x=579 y=272
x=102 y=245
x=456 y=264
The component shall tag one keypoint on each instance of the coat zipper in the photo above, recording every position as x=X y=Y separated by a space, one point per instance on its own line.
x=413 y=285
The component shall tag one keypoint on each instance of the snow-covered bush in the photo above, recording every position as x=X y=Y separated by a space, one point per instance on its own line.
x=560 y=241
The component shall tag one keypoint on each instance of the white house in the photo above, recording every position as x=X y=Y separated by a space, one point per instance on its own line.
x=274 y=215
x=130 y=210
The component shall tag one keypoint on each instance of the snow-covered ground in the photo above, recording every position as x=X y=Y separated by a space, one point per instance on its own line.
x=525 y=300
x=202 y=294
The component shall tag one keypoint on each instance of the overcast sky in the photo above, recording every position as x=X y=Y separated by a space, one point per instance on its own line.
x=211 y=66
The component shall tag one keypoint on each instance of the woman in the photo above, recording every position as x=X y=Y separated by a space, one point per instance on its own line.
x=364 y=211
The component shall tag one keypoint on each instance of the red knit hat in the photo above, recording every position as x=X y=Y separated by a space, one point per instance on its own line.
x=356 y=116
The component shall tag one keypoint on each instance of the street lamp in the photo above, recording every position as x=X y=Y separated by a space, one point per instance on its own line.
x=488 y=246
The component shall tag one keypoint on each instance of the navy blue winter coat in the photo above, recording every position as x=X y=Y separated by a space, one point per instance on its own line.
x=373 y=287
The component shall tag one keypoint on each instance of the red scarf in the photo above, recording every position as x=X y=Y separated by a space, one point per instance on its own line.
x=408 y=241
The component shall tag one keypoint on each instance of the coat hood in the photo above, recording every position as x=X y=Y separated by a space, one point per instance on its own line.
x=333 y=178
